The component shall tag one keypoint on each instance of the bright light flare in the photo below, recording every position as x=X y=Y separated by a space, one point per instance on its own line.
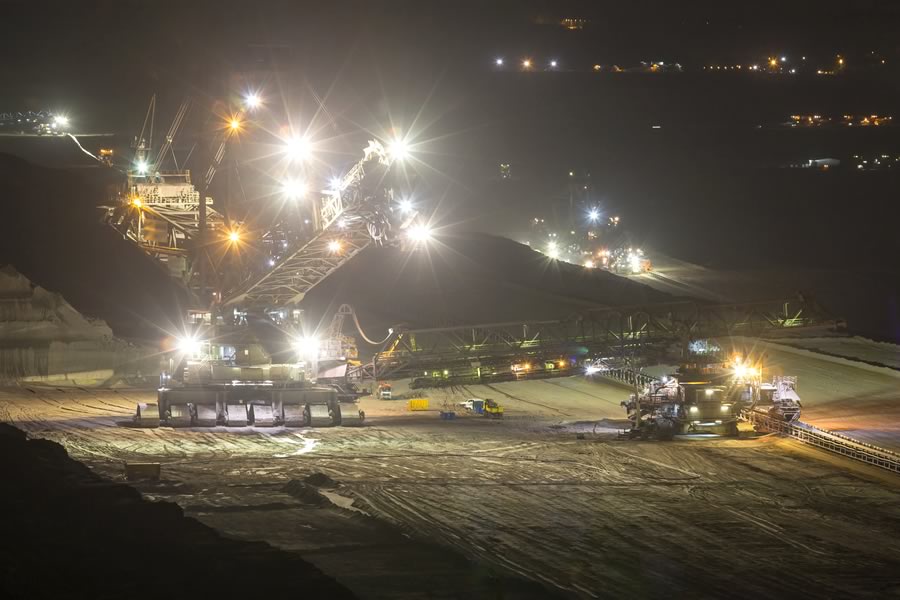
x=234 y=237
x=142 y=167
x=552 y=250
x=298 y=148
x=634 y=262
x=589 y=264
x=590 y=370
x=188 y=345
x=307 y=346
x=553 y=63
x=294 y=189
x=61 y=120
x=742 y=371
x=252 y=101
x=334 y=246
x=498 y=62
x=234 y=124
x=137 y=202
x=419 y=233
x=398 y=149
x=593 y=214
x=526 y=63
x=406 y=206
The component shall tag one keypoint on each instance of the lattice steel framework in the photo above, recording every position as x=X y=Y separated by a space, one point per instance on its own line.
x=612 y=330
x=354 y=214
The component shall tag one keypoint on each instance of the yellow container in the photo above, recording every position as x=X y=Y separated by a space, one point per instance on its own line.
x=417 y=404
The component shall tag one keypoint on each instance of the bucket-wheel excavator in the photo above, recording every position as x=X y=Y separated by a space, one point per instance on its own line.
x=710 y=397
x=250 y=361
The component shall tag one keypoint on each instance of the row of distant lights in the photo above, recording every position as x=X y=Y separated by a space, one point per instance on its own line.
x=773 y=62
x=526 y=63
x=730 y=67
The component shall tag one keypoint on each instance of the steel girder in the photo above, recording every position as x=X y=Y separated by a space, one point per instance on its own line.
x=289 y=281
x=608 y=330
x=346 y=215
x=186 y=218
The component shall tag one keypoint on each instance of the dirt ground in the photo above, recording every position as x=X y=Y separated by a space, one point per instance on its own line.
x=420 y=507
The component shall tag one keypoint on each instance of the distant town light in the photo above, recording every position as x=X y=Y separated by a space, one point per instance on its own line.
x=498 y=62
x=526 y=63
x=553 y=63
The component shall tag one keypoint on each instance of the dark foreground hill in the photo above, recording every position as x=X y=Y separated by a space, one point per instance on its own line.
x=71 y=534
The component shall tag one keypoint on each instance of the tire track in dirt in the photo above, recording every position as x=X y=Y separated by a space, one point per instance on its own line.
x=517 y=399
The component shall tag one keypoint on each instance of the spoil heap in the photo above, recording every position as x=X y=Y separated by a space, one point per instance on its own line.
x=44 y=338
x=467 y=278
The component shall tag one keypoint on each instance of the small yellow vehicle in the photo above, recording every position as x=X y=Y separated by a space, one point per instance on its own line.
x=492 y=410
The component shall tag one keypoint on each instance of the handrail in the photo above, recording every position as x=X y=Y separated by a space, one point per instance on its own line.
x=829 y=441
